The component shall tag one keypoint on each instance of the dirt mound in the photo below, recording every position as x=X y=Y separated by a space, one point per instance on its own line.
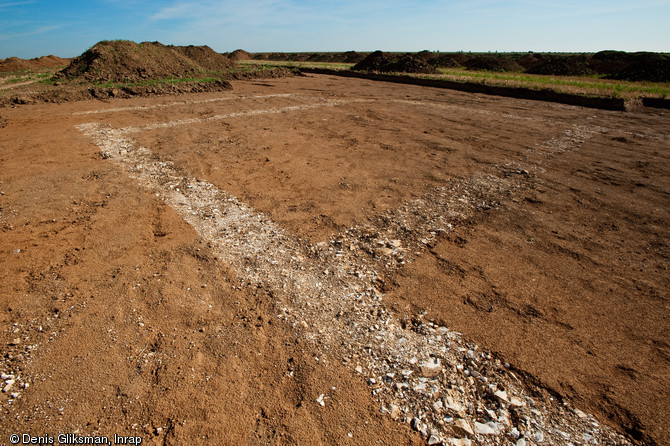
x=649 y=67
x=204 y=56
x=238 y=54
x=445 y=61
x=562 y=66
x=410 y=63
x=493 y=63
x=653 y=71
x=319 y=57
x=336 y=57
x=70 y=92
x=377 y=61
x=610 y=62
x=390 y=63
x=425 y=55
x=126 y=61
x=352 y=57
x=529 y=60
x=16 y=64
x=49 y=61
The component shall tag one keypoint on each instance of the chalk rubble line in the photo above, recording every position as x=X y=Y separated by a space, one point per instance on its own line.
x=343 y=313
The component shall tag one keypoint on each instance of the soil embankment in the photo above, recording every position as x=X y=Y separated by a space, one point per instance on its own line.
x=640 y=66
x=14 y=64
x=124 y=69
x=126 y=61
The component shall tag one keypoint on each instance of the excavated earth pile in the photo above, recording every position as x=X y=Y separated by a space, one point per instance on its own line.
x=390 y=63
x=12 y=64
x=562 y=66
x=489 y=63
x=239 y=54
x=649 y=67
x=125 y=61
x=124 y=69
x=342 y=57
x=641 y=66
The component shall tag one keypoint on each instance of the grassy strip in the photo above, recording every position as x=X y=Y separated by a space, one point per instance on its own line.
x=296 y=64
x=167 y=80
x=242 y=68
x=28 y=76
x=585 y=85
x=46 y=77
x=209 y=76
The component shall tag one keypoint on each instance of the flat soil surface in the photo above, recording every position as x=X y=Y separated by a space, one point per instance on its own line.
x=123 y=319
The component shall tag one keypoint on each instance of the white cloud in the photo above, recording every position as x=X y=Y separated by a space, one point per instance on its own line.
x=9 y=5
x=280 y=12
x=179 y=10
x=222 y=10
x=33 y=32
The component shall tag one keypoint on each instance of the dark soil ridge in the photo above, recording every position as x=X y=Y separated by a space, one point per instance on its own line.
x=126 y=61
x=394 y=63
x=341 y=57
x=639 y=66
x=656 y=103
x=473 y=87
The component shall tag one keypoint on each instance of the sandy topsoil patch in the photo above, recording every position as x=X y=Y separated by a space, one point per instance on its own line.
x=537 y=230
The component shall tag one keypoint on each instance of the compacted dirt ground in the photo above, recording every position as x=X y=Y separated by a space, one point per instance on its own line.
x=539 y=231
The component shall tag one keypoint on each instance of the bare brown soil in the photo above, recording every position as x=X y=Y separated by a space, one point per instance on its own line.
x=122 y=319
x=12 y=64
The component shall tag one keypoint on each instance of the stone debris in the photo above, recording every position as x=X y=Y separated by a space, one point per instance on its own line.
x=461 y=428
x=12 y=385
x=8 y=385
x=484 y=429
x=421 y=373
x=431 y=368
x=459 y=442
x=434 y=440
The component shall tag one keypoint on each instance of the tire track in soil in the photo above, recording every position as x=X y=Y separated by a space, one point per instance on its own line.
x=17 y=84
x=421 y=373
x=180 y=122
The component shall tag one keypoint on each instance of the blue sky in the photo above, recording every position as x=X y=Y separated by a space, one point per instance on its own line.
x=32 y=28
